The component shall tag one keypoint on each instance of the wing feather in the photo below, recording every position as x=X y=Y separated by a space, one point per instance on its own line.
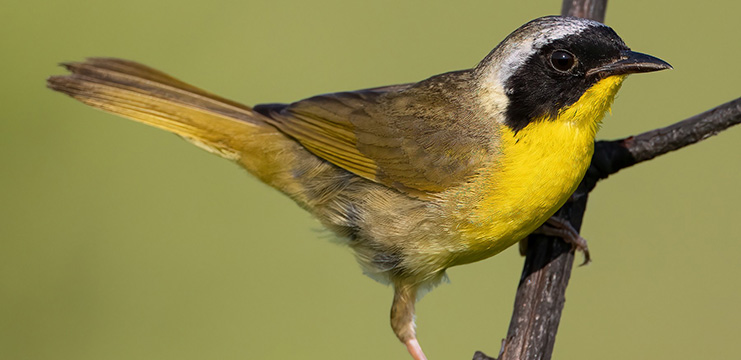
x=420 y=139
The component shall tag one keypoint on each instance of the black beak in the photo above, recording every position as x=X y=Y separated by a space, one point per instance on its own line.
x=630 y=62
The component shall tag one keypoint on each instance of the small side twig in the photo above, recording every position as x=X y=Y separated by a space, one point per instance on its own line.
x=650 y=144
x=613 y=156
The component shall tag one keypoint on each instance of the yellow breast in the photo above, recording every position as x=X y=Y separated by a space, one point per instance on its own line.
x=538 y=169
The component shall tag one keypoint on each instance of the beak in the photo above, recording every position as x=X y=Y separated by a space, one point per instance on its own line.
x=630 y=62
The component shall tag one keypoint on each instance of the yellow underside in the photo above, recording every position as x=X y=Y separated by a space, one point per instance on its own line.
x=539 y=168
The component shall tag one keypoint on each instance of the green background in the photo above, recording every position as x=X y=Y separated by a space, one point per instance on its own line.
x=120 y=241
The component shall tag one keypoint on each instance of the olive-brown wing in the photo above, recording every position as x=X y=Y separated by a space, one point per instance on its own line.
x=419 y=139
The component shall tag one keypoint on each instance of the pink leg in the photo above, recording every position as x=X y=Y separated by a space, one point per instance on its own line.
x=402 y=318
x=415 y=350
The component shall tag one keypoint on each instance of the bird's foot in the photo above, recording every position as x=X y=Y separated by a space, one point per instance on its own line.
x=558 y=227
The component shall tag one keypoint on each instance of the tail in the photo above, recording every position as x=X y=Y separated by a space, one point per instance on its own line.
x=224 y=127
x=152 y=97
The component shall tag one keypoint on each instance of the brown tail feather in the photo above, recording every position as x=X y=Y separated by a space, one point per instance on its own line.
x=152 y=97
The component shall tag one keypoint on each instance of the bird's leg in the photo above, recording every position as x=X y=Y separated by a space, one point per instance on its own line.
x=558 y=227
x=402 y=318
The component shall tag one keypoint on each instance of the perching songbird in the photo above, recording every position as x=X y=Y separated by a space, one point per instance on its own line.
x=415 y=177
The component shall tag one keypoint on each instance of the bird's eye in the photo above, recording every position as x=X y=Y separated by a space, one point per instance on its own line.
x=562 y=60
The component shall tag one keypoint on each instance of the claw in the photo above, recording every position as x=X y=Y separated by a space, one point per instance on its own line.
x=558 y=227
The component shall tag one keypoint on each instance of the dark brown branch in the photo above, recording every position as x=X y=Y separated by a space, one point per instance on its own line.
x=541 y=293
x=613 y=156
x=651 y=144
x=588 y=9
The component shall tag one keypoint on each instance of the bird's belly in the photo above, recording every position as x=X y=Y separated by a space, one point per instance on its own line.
x=538 y=170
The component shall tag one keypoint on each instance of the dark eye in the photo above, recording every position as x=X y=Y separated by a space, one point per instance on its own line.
x=562 y=60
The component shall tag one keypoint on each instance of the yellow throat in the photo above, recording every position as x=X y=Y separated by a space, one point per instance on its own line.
x=539 y=168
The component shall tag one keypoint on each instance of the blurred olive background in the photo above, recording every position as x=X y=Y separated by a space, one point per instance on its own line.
x=120 y=241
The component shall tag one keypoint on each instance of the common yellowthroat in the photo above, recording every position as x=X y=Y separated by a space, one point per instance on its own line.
x=415 y=177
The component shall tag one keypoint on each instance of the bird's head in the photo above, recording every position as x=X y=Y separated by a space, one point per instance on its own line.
x=548 y=65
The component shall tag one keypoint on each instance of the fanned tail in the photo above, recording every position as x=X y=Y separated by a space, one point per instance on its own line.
x=146 y=95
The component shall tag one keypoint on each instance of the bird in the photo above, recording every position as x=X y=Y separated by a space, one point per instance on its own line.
x=415 y=178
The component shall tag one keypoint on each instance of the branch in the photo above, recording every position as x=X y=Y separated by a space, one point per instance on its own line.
x=588 y=9
x=613 y=156
x=687 y=132
x=541 y=293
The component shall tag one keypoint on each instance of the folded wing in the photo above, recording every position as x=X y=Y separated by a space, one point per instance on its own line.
x=420 y=139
